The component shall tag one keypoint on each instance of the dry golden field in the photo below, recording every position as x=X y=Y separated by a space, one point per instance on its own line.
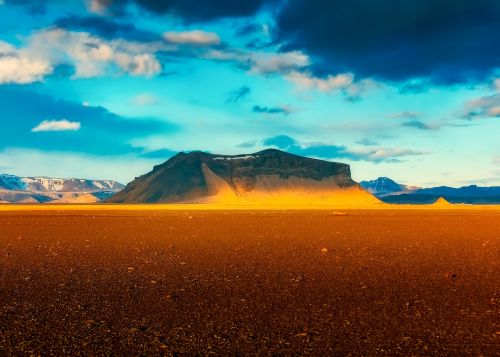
x=160 y=280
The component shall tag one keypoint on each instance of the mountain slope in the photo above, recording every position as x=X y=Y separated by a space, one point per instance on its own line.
x=269 y=176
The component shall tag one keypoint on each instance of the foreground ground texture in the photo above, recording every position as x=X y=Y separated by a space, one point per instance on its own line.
x=129 y=282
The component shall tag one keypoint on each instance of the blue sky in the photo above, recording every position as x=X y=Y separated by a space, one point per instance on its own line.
x=108 y=88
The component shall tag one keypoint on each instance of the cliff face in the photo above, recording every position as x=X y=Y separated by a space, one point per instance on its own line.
x=269 y=174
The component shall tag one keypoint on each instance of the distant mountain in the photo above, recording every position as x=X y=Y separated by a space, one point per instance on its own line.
x=423 y=199
x=15 y=189
x=267 y=177
x=385 y=186
x=391 y=192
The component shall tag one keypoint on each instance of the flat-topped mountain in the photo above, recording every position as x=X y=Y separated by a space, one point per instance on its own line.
x=269 y=176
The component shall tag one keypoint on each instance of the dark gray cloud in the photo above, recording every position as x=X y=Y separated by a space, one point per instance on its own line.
x=107 y=28
x=448 y=41
x=190 y=10
x=270 y=110
x=417 y=124
x=239 y=94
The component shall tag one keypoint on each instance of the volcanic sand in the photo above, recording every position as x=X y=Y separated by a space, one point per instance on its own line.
x=124 y=280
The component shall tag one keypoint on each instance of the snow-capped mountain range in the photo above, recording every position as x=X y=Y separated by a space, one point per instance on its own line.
x=46 y=184
x=385 y=186
x=15 y=189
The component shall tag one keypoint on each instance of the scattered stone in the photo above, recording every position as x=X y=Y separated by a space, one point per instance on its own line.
x=324 y=250
x=340 y=214
x=130 y=269
x=450 y=275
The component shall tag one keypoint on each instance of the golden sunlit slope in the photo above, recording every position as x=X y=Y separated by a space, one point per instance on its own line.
x=441 y=202
x=292 y=191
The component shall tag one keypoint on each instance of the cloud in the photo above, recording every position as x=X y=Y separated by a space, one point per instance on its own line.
x=144 y=99
x=239 y=94
x=195 y=37
x=101 y=132
x=33 y=7
x=247 y=144
x=366 y=142
x=404 y=115
x=159 y=154
x=99 y=6
x=496 y=84
x=417 y=124
x=251 y=29
x=306 y=81
x=447 y=41
x=280 y=141
x=264 y=63
x=91 y=56
x=327 y=151
x=190 y=11
x=484 y=107
x=271 y=110
x=17 y=66
x=343 y=82
x=107 y=28
x=57 y=125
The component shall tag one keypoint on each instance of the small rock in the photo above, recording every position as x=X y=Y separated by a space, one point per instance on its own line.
x=339 y=214
x=130 y=269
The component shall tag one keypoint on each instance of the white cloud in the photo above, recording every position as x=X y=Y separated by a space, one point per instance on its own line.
x=496 y=84
x=98 y=6
x=57 y=125
x=16 y=66
x=195 y=37
x=305 y=81
x=93 y=56
x=344 y=82
x=145 y=99
x=484 y=107
x=264 y=63
x=90 y=55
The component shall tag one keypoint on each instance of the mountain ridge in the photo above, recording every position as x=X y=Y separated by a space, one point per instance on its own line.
x=404 y=194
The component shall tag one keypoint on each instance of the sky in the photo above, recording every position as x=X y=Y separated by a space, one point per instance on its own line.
x=106 y=89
